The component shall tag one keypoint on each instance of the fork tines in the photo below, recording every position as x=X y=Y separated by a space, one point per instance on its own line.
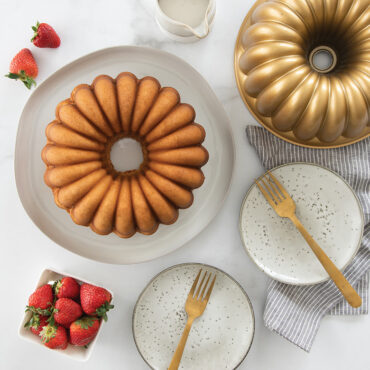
x=272 y=188
x=201 y=290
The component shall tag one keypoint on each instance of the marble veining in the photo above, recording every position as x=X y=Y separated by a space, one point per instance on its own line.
x=84 y=27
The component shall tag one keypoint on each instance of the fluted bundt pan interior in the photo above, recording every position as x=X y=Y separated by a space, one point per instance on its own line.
x=282 y=85
x=77 y=155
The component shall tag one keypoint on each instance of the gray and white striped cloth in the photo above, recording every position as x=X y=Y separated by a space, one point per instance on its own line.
x=295 y=312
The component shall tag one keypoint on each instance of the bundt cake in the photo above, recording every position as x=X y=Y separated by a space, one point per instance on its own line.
x=77 y=155
x=279 y=42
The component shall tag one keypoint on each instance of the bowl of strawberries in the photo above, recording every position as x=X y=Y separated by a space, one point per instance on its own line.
x=66 y=313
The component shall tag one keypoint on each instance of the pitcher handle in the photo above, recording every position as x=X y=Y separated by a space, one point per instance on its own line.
x=206 y=26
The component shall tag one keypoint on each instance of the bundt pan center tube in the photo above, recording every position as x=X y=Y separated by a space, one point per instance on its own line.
x=285 y=88
x=77 y=155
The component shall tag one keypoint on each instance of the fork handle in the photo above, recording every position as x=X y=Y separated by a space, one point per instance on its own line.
x=340 y=281
x=174 y=365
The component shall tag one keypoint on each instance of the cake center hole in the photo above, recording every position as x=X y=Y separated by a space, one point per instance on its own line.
x=126 y=154
x=323 y=59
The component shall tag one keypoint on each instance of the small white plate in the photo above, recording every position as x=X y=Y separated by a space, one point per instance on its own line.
x=219 y=339
x=37 y=198
x=327 y=207
x=77 y=353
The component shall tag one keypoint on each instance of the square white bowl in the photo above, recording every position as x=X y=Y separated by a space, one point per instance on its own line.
x=75 y=352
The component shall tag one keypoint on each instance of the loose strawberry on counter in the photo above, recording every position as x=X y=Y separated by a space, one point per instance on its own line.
x=66 y=311
x=95 y=301
x=54 y=337
x=23 y=67
x=67 y=288
x=84 y=330
x=45 y=36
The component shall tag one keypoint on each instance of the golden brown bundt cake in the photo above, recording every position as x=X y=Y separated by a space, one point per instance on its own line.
x=77 y=155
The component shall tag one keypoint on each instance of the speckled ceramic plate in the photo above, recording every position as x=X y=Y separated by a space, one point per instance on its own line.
x=219 y=339
x=327 y=207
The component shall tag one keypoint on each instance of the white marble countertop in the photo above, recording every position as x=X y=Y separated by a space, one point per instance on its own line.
x=84 y=26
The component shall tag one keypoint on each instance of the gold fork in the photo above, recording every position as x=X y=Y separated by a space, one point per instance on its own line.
x=284 y=206
x=194 y=307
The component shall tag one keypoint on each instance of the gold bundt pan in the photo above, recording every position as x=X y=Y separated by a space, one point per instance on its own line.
x=293 y=90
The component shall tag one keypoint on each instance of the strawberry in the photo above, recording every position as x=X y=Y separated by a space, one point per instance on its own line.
x=66 y=311
x=67 y=288
x=84 y=330
x=37 y=323
x=41 y=300
x=95 y=300
x=45 y=36
x=23 y=67
x=54 y=337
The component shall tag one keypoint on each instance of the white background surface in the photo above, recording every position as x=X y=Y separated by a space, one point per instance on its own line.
x=84 y=26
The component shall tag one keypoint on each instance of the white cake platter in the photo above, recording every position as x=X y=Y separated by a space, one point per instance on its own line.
x=56 y=223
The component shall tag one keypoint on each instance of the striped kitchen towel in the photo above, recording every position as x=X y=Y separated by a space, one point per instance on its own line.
x=295 y=312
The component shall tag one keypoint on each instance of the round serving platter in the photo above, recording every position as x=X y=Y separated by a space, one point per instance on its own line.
x=266 y=122
x=37 y=198
x=219 y=339
x=327 y=207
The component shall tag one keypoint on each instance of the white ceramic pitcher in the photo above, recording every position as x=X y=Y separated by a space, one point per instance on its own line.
x=185 y=20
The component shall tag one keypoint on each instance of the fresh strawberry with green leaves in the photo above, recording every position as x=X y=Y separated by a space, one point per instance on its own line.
x=66 y=311
x=54 y=337
x=23 y=67
x=45 y=36
x=67 y=288
x=40 y=304
x=95 y=300
x=41 y=300
x=36 y=323
x=84 y=330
